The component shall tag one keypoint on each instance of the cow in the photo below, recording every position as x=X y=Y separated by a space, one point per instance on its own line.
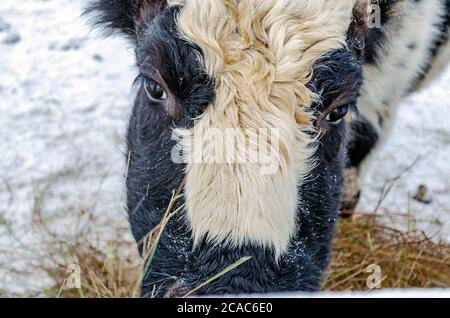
x=320 y=80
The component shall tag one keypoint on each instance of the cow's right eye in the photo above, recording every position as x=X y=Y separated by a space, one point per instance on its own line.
x=154 y=90
x=338 y=114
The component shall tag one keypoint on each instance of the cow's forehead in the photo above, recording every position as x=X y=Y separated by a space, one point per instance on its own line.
x=260 y=53
x=258 y=49
x=268 y=46
x=226 y=28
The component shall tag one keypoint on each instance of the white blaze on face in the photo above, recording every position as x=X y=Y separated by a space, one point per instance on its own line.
x=260 y=52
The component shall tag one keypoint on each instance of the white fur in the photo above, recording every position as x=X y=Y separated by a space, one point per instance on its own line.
x=261 y=54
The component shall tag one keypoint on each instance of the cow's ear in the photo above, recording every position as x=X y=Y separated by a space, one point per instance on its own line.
x=123 y=16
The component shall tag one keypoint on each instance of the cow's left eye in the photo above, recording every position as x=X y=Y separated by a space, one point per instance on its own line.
x=154 y=91
x=338 y=114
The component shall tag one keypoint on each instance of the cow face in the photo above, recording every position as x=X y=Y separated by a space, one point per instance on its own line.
x=242 y=101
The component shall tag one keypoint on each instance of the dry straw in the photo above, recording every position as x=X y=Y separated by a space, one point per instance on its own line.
x=110 y=266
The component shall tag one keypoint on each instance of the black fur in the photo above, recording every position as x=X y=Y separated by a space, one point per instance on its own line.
x=124 y=16
x=363 y=139
x=115 y=15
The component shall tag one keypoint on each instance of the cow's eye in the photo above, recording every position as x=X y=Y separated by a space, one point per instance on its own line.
x=338 y=114
x=154 y=91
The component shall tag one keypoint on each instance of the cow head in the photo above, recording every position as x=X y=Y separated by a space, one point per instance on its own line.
x=243 y=101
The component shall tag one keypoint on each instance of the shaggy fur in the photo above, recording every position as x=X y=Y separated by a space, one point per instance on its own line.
x=261 y=54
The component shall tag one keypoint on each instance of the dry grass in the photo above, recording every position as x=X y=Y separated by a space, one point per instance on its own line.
x=109 y=274
x=407 y=259
x=111 y=271
x=102 y=275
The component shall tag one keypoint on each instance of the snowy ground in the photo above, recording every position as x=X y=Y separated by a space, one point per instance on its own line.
x=417 y=153
x=64 y=101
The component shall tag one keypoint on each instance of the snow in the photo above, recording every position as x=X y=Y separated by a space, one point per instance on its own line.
x=420 y=140
x=65 y=97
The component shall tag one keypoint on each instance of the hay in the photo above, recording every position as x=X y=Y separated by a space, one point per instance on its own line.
x=406 y=259
x=110 y=269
